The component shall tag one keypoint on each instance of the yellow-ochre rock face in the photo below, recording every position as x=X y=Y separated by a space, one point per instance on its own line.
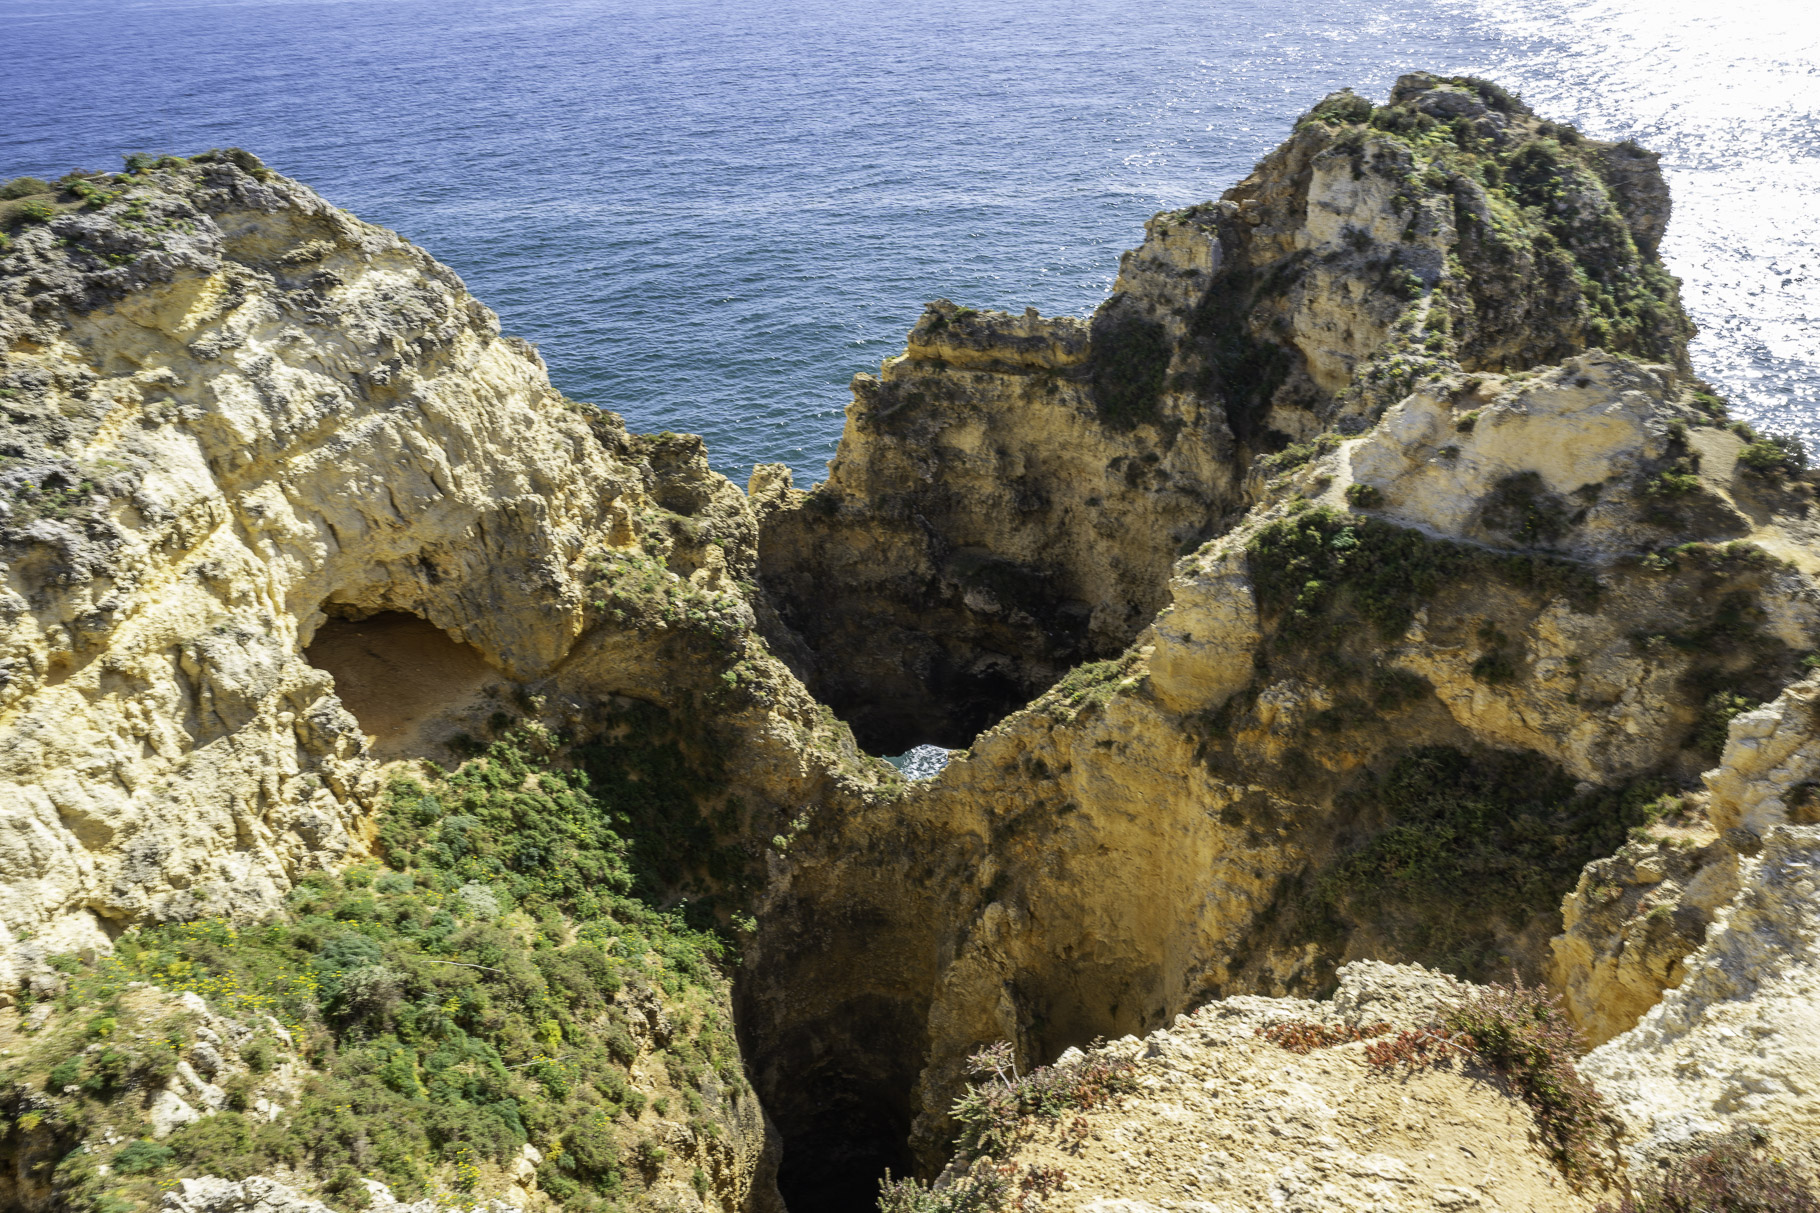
x=1367 y=583
x=1011 y=492
x=295 y=412
x=238 y=419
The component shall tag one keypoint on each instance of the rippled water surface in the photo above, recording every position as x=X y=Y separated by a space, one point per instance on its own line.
x=709 y=216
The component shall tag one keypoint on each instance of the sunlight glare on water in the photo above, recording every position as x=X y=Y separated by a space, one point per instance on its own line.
x=1730 y=95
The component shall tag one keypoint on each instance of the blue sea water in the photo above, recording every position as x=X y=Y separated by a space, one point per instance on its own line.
x=710 y=215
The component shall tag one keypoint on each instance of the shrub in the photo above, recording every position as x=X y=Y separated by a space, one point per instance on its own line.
x=34 y=211
x=1733 y=1174
x=980 y=1188
x=1520 y=1032
x=1716 y=716
x=1775 y=455
x=1462 y=847
x=138 y=1157
x=25 y=187
x=1495 y=667
x=1312 y=566
x=991 y=1111
x=1677 y=481
x=1297 y=454
x=1363 y=495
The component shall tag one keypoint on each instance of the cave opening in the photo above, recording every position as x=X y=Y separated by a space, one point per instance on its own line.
x=839 y=1090
x=837 y=1073
x=402 y=677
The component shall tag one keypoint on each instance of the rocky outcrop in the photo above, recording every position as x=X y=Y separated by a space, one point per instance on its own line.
x=1221 y=1118
x=1732 y=1041
x=1366 y=567
x=1636 y=920
x=238 y=420
x=1011 y=492
x=1632 y=921
x=1434 y=672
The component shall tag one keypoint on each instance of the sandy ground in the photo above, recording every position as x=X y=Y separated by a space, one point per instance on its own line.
x=409 y=685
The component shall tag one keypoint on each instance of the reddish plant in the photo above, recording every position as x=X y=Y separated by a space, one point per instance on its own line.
x=1305 y=1036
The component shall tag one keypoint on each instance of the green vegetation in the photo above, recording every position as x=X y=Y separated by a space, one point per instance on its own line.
x=1092 y=683
x=1496 y=664
x=1451 y=850
x=33 y=210
x=474 y=994
x=25 y=187
x=1734 y=1173
x=1316 y=568
x=1537 y=215
x=996 y=1109
x=1130 y=361
x=1521 y=507
x=1716 y=716
x=1775 y=455
x=1294 y=456
x=637 y=588
x=60 y=493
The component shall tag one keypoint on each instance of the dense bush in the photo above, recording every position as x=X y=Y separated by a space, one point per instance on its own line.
x=1452 y=848
x=1735 y=1174
x=1775 y=455
x=1320 y=565
x=469 y=998
x=25 y=187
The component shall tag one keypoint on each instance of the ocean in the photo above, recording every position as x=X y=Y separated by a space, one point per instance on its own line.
x=709 y=216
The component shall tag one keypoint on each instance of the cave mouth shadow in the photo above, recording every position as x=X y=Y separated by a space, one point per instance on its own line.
x=402 y=677
x=837 y=1079
x=833 y=1162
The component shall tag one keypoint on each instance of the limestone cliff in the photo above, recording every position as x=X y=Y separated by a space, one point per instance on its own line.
x=246 y=434
x=1011 y=492
x=1367 y=567
x=1733 y=1037
x=1433 y=672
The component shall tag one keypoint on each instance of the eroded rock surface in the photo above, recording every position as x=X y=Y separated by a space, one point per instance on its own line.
x=1222 y=1119
x=1011 y=492
x=1365 y=568
x=237 y=417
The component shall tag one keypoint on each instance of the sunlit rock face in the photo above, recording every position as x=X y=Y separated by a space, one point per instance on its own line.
x=1363 y=571
x=1011 y=492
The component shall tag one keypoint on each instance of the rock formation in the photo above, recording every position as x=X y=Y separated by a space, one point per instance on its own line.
x=238 y=420
x=1366 y=576
x=1011 y=492
x=1220 y=1117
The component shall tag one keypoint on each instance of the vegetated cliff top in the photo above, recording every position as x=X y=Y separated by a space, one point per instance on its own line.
x=1399 y=627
